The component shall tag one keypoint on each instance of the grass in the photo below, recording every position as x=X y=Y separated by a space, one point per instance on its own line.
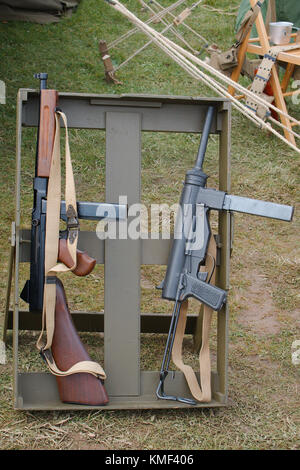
x=263 y=382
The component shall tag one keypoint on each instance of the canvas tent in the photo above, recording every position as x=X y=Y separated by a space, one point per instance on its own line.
x=288 y=10
x=36 y=11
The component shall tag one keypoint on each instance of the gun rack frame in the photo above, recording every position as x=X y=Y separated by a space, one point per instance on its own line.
x=123 y=118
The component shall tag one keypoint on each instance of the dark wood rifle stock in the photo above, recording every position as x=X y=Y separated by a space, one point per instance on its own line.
x=67 y=348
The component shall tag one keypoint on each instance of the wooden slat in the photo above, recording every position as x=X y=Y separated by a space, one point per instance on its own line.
x=292 y=57
x=94 y=322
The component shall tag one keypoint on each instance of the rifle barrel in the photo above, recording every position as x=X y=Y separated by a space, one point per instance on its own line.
x=204 y=137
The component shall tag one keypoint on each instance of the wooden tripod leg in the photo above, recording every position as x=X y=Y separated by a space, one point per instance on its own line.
x=287 y=76
x=241 y=59
x=280 y=103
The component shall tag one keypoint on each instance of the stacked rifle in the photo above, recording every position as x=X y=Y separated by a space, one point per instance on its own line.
x=79 y=379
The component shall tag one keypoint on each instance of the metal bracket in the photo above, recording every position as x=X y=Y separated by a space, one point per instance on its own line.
x=93 y=210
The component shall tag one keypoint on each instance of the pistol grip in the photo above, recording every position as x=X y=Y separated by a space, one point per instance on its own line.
x=207 y=294
x=85 y=264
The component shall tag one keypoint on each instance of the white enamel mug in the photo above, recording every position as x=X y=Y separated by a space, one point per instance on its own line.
x=280 y=32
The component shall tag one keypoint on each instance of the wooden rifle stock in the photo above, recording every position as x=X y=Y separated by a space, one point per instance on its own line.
x=67 y=349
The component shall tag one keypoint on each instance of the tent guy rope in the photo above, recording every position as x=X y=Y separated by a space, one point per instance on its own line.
x=134 y=30
x=168 y=26
x=192 y=64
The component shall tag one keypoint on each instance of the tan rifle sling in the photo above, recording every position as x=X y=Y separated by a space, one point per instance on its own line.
x=201 y=392
x=52 y=267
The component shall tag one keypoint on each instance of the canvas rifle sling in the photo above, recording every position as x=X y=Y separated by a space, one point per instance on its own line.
x=201 y=392
x=52 y=267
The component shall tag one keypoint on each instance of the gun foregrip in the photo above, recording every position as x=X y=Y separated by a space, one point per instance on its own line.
x=85 y=264
x=207 y=294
